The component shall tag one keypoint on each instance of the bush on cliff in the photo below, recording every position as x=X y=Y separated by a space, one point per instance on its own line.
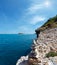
x=51 y=23
x=51 y=54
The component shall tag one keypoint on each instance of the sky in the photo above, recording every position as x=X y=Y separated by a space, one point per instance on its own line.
x=25 y=15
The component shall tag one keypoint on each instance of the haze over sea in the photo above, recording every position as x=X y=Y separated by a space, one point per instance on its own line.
x=13 y=46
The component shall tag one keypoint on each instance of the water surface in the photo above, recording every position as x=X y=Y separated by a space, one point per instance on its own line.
x=13 y=46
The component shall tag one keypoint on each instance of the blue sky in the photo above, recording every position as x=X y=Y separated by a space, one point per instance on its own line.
x=25 y=15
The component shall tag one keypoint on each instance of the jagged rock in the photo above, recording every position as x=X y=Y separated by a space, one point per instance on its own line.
x=22 y=61
x=46 y=42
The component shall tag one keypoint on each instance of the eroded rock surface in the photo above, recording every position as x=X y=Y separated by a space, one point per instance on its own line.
x=45 y=43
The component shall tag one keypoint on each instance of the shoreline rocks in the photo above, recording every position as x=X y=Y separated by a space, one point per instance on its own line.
x=22 y=61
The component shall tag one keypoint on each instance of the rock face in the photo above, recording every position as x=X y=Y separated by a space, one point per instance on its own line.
x=51 y=23
x=46 y=42
x=49 y=38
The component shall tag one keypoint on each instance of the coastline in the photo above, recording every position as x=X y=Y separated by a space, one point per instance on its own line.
x=44 y=40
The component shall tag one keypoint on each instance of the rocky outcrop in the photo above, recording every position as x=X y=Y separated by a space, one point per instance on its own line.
x=22 y=61
x=45 y=43
x=49 y=24
x=49 y=38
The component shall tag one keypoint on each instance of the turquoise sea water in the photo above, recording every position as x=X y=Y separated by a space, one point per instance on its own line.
x=13 y=46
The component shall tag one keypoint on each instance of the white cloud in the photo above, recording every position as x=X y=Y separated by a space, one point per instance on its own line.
x=34 y=8
x=37 y=6
x=37 y=19
x=32 y=15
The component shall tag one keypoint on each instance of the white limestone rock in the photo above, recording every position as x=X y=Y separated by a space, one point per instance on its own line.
x=22 y=61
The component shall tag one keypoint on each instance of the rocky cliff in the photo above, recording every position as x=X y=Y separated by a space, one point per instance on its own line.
x=51 y=23
x=44 y=48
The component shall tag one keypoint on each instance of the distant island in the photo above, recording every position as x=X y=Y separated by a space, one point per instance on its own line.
x=20 y=33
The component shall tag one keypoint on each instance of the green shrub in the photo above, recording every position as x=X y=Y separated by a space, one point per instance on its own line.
x=51 y=23
x=51 y=54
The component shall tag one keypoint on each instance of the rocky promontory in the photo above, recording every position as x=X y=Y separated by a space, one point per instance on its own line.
x=44 y=47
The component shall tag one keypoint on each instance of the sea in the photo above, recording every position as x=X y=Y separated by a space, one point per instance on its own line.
x=13 y=46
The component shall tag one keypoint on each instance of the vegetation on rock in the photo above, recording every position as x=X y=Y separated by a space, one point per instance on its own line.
x=51 y=54
x=51 y=23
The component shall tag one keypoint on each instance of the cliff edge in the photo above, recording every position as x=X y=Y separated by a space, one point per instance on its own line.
x=44 y=47
x=51 y=23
